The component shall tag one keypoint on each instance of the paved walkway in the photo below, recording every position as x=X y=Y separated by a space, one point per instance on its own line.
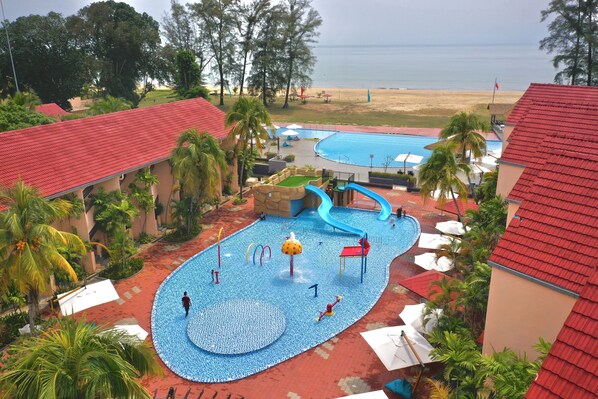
x=338 y=367
x=305 y=154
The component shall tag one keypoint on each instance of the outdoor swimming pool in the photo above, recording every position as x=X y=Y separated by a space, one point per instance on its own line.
x=356 y=148
x=278 y=302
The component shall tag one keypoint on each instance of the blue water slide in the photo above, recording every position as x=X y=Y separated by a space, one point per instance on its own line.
x=324 y=212
x=385 y=210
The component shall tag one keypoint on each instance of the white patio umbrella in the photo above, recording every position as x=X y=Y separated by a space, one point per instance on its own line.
x=451 y=227
x=409 y=157
x=429 y=261
x=289 y=133
x=294 y=126
x=367 y=395
x=436 y=195
x=414 y=316
x=433 y=241
x=394 y=351
x=86 y=297
x=134 y=330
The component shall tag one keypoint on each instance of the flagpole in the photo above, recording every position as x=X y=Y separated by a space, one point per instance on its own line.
x=494 y=91
x=12 y=62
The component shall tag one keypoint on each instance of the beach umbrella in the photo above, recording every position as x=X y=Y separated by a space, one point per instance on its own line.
x=86 y=297
x=409 y=157
x=429 y=261
x=414 y=316
x=452 y=227
x=393 y=349
x=292 y=247
x=294 y=126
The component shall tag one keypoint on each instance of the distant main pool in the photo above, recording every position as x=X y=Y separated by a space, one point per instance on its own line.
x=290 y=301
x=358 y=148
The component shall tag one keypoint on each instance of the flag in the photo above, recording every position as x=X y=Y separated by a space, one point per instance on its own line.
x=230 y=93
x=302 y=91
x=496 y=85
x=369 y=97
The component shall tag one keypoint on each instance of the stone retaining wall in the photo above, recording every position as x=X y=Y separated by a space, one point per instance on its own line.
x=276 y=200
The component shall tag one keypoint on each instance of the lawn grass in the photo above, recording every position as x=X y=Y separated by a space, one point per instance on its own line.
x=344 y=112
x=158 y=97
x=296 y=181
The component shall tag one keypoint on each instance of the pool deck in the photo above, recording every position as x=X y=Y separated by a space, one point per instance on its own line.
x=305 y=154
x=341 y=366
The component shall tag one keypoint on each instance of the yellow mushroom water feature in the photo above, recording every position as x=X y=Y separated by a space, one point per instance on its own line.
x=292 y=247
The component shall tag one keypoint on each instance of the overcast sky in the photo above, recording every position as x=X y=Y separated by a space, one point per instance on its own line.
x=382 y=22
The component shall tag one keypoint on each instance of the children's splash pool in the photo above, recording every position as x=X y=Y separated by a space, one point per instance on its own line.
x=259 y=316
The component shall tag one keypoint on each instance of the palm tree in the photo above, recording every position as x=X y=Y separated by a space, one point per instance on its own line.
x=463 y=130
x=108 y=105
x=197 y=161
x=79 y=360
x=29 y=244
x=440 y=173
x=251 y=119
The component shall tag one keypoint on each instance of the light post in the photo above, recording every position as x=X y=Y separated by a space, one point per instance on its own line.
x=371 y=160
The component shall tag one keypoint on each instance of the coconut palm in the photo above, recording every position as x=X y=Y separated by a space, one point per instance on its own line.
x=79 y=360
x=29 y=244
x=197 y=161
x=108 y=105
x=250 y=119
x=463 y=130
x=440 y=173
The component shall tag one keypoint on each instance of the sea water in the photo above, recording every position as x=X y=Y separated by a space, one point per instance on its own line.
x=432 y=67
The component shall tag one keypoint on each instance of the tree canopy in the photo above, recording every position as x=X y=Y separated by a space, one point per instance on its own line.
x=573 y=39
x=14 y=116
x=46 y=57
x=117 y=41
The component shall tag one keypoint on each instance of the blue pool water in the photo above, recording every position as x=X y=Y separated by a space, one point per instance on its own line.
x=356 y=148
x=272 y=284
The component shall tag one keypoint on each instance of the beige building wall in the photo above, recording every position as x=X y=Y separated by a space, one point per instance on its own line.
x=520 y=311
x=506 y=134
x=512 y=209
x=507 y=177
x=165 y=188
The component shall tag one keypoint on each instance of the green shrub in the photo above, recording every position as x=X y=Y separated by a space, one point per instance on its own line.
x=145 y=238
x=409 y=178
x=9 y=326
x=227 y=190
x=117 y=272
x=239 y=201
x=270 y=155
x=179 y=235
x=289 y=158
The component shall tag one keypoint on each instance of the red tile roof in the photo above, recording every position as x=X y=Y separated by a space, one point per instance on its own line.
x=552 y=93
x=61 y=157
x=571 y=368
x=545 y=120
x=420 y=284
x=555 y=239
x=51 y=109
x=582 y=144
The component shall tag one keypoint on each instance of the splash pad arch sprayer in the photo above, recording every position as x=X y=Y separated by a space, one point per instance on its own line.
x=258 y=246
x=219 y=235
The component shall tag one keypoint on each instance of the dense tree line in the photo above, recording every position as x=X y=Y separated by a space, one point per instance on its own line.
x=109 y=49
x=573 y=39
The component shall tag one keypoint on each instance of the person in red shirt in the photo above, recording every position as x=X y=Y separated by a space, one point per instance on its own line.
x=186 y=303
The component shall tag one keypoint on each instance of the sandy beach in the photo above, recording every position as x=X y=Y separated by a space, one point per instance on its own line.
x=415 y=101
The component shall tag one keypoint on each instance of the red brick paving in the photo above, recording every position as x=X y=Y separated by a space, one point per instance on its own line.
x=308 y=375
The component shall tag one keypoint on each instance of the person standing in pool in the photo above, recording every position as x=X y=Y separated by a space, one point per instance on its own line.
x=186 y=303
